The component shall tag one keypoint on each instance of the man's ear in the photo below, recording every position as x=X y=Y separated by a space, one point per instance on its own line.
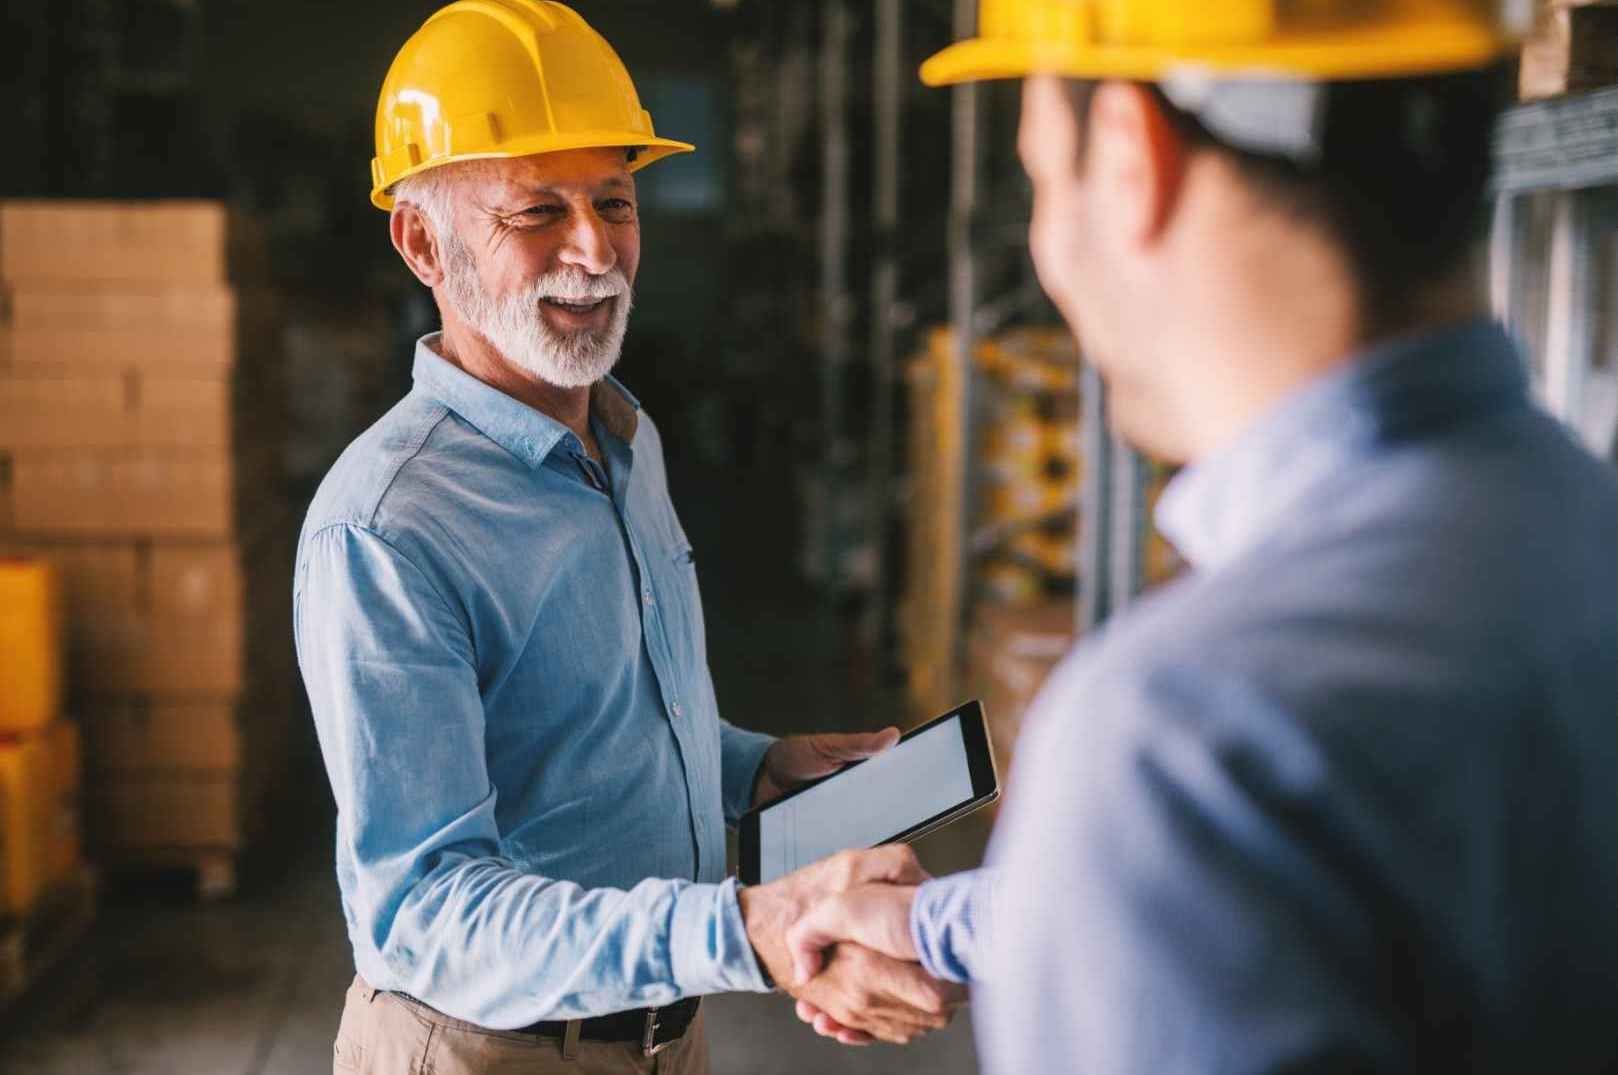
x=1137 y=159
x=413 y=238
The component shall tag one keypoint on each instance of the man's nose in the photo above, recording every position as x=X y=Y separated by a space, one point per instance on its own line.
x=588 y=246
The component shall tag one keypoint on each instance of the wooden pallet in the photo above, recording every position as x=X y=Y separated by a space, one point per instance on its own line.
x=32 y=945
x=213 y=870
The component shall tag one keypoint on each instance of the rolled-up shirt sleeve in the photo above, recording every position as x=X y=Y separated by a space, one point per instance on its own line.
x=741 y=753
x=950 y=922
x=388 y=663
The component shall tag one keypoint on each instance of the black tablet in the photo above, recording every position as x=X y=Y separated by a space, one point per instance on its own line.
x=934 y=774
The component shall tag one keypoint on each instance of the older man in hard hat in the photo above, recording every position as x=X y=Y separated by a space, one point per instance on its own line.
x=499 y=626
x=1342 y=799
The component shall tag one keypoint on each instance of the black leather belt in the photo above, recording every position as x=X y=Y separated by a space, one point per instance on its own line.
x=649 y=1028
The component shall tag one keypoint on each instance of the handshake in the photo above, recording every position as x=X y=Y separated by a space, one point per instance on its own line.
x=836 y=935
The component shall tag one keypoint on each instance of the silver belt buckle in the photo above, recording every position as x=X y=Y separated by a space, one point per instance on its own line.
x=649 y=1045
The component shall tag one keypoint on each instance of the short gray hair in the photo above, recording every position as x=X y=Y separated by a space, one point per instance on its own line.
x=430 y=193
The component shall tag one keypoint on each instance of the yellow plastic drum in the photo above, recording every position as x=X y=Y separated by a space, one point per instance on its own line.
x=39 y=816
x=30 y=644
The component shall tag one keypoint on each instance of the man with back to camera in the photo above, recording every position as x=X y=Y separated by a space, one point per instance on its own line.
x=499 y=625
x=1340 y=800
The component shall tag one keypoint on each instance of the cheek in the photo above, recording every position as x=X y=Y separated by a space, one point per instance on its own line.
x=517 y=263
x=626 y=244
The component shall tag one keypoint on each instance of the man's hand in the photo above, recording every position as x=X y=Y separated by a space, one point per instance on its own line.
x=799 y=759
x=876 y=916
x=863 y=996
x=869 y=995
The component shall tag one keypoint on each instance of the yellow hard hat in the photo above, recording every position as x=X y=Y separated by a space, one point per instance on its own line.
x=505 y=78
x=1149 y=40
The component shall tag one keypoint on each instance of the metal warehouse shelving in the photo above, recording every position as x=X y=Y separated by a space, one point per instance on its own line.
x=1554 y=254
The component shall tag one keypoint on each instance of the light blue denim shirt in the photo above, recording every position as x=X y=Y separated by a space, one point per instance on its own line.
x=503 y=647
x=1342 y=799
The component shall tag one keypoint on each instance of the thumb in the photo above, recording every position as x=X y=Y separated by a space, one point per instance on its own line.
x=852 y=746
x=809 y=937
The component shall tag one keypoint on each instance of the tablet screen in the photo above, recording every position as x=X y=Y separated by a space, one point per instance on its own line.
x=869 y=803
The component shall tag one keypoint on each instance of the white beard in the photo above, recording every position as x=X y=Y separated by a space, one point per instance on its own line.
x=517 y=328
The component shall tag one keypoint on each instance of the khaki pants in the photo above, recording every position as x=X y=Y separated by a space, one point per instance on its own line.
x=386 y=1034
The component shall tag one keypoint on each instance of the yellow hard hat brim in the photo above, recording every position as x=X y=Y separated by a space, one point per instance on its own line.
x=652 y=149
x=1394 y=50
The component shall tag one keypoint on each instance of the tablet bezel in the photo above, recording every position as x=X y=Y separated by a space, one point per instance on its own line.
x=980 y=765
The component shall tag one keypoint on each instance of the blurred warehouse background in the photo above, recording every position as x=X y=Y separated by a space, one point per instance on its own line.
x=880 y=439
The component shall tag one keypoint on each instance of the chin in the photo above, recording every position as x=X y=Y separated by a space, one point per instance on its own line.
x=1143 y=426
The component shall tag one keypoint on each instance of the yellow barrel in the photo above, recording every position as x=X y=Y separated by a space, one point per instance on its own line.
x=30 y=644
x=39 y=815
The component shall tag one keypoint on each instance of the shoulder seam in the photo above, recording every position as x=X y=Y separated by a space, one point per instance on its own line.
x=411 y=449
x=381 y=539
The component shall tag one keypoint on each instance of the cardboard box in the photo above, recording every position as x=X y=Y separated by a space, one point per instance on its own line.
x=112 y=409
x=30 y=643
x=78 y=327
x=39 y=813
x=77 y=242
x=152 y=735
x=145 y=618
x=176 y=810
x=1011 y=651
x=1573 y=46
x=108 y=494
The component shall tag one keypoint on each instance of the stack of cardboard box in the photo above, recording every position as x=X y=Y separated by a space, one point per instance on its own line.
x=1011 y=652
x=1572 y=46
x=122 y=449
x=39 y=751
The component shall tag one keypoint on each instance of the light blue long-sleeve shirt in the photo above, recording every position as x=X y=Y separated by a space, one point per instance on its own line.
x=1342 y=799
x=503 y=647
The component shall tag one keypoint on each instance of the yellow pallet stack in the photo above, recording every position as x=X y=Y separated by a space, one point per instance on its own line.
x=1026 y=476
x=120 y=463
x=1028 y=499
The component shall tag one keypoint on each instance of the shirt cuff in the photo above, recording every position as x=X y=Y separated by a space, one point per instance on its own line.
x=949 y=924
x=741 y=754
x=708 y=947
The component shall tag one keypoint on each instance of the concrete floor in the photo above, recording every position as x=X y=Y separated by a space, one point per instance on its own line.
x=254 y=986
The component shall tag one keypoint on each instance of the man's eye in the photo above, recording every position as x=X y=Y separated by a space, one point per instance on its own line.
x=616 y=205
x=542 y=210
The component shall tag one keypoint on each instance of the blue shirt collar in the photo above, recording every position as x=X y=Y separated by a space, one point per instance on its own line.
x=518 y=428
x=1220 y=508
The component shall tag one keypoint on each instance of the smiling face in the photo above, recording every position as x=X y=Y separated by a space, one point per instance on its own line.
x=538 y=255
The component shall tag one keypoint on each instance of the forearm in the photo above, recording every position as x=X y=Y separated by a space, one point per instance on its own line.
x=741 y=759
x=484 y=942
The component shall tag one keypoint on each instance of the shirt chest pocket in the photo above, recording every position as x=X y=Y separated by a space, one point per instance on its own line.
x=683 y=608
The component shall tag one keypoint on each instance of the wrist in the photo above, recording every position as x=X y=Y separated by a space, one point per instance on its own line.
x=765 y=789
x=765 y=918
